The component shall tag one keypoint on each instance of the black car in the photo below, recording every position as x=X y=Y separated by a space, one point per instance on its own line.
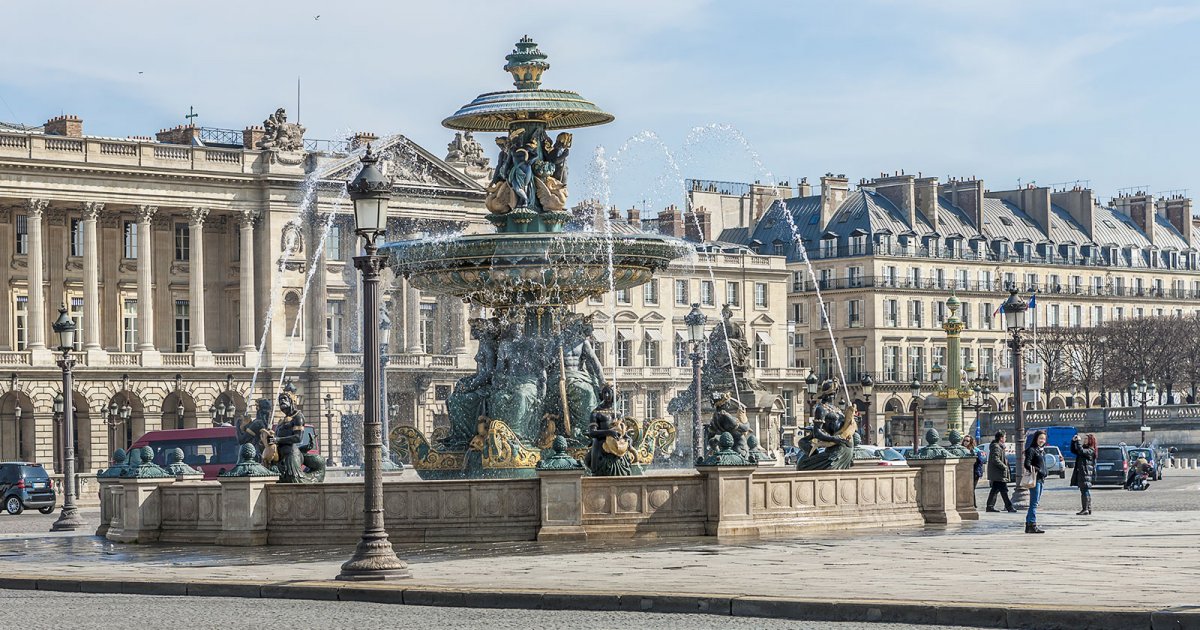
x=26 y=485
x=1112 y=465
x=1054 y=466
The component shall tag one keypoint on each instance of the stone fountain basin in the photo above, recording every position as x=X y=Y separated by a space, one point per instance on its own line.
x=501 y=270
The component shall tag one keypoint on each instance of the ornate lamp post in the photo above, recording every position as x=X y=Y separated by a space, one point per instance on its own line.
x=695 y=321
x=329 y=432
x=373 y=558
x=981 y=391
x=17 y=421
x=179 y=412
x=117 y=417
x=1014 y=319
x=868 y=387
x=59 y=453
x=1144 y=393
x=68 y=518
x=810 y=386
x=915 y=389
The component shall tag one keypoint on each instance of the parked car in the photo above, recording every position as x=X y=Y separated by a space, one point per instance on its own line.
x=212 y=450
x=26 y=485
x=1057 y=466
x=1112 y=465
x=878 y=455
x=905 y=451
x=1054 y=466
x=1148 y=453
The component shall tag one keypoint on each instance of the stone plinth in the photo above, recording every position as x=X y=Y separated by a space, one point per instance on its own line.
x=561 y=505
x=964 y=483
x=728 y=508
x=644 y=506
x=244 y=510
x=108 y=500
x=937 y=492
x=137 y=510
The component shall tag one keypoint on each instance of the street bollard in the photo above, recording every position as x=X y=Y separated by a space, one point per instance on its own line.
x=1193 y=463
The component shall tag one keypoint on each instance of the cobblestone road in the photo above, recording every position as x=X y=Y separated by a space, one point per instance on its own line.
x=34 y=611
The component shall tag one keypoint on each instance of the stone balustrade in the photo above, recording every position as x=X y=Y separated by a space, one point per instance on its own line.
x=558 y=505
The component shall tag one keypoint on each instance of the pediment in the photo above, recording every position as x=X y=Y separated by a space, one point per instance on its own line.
x=626 y=316
x=599 y=316
x=653 y=316
x=762 y=320
x=407 y=164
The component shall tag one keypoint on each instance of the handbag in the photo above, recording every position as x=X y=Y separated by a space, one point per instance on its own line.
x=1029 y=479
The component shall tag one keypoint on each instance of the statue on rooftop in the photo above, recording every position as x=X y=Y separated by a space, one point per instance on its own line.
x=281 y=135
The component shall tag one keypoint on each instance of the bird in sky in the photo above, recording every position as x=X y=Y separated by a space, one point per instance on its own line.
x=317 y=18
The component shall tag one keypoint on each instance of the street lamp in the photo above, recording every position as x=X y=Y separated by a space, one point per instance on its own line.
x=68 y=518
x=695 y=321
x=810 y=386
x=868 y=387
x=915 y=388
x=179 y=411
x=373 y=558
x=329 y=433
x=17 y=420
x=1145 y=392
x=1014 y=319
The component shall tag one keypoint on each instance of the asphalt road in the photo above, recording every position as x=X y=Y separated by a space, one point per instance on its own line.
x=1178 y=491
x=35 y=610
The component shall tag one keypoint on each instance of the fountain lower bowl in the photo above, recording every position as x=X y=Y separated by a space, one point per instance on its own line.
x=504 y=270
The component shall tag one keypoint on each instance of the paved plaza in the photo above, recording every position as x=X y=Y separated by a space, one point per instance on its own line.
x=1147 y=538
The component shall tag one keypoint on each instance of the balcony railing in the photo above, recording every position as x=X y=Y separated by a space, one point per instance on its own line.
x=15 y=358
x=995 y=286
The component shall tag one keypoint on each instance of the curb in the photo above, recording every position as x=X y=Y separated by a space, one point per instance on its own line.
x=950 y=613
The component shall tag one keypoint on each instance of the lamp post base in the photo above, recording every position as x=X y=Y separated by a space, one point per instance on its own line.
x=374 y=560
x=68 y=521
x=1020 y=497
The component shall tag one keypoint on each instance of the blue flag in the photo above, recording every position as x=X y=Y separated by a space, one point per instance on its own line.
x=1033 y=301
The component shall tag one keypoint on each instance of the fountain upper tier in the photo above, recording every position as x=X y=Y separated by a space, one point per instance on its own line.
x=505 y=270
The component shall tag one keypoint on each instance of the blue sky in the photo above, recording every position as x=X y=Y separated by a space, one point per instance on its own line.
x=1008 y=91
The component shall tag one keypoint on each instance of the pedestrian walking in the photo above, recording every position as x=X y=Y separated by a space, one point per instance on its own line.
x=1035 y=465
x=969 y=444
x=1085 y=470
x=997 y=474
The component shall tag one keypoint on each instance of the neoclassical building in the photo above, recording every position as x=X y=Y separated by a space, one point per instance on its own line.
x=203 y=270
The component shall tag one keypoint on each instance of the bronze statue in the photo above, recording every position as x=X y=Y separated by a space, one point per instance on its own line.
x=828 y=443
x=469 y=399
x=296 y=464
x=258 y=432
x=609 y=455
x=729 y=416
x=575 y=373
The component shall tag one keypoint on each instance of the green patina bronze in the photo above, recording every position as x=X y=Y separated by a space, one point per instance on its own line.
x=140 y=465
x=176 y=467
x=247 y=467
x=725 y=454
x=956 y=449
x=560 y=459
x=932 y=450
x=119 y=464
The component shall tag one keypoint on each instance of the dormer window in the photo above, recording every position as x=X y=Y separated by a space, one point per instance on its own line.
x=858 y=244
x=829 y=247
x=885 y=243
x=1002 y=250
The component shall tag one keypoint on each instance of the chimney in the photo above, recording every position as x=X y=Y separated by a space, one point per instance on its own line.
x=1178 y=210
x=762 y=196
x=361 y=139
x=899 y=189
x=1033 y=201
x=183 y=134
x=805 y=187
x=966 y=194
x=670 y=223
x=251 y=136
x=926 y=191
x=634 y=216
x=1080 y=203
x=1140 y=207
x=834 y=190
x=614 y=214
x=68 y=125
x=699 y=218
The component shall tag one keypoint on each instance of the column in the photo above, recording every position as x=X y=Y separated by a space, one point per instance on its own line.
x=246 y=280
x=458 y=327
x=196 y=218
x=145 y=291
x=954 y=386
x=317 y=293
x=37 y=312
x=412 y=319
x=91 y=277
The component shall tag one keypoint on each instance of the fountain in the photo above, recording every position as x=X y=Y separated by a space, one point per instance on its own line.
x=537 y=377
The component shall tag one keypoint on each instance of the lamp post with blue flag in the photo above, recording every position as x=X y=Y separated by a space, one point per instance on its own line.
x=1014 y=320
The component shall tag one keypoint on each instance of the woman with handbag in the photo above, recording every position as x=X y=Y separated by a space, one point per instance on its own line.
x=1034 y=475
x=969 y=444
x=1085 y=470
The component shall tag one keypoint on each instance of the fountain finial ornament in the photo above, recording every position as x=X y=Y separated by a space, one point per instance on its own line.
x=526 y=63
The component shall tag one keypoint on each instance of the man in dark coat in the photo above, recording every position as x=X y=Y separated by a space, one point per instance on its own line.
x=997 y=474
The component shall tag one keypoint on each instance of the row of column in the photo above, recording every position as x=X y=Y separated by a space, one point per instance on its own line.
x=36 y=209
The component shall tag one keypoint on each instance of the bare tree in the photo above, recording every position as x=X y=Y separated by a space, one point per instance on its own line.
x=1051 y=352
x=1085 y=350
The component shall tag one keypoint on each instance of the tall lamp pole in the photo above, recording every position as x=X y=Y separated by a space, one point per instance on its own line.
x=68 y=518
x=1014 y=318
x=695 y=321
x=868 y=388
x=373 y=558
x=329 y=433
x=915 y=389
x=1144 y=392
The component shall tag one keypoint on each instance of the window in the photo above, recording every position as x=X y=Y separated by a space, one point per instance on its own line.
x=1076 y=316
x=965 y=311
x=824 y=363
x=22 y=324
x=962 y=279
x=761 y=351
x=986 y=310
x=798 y=315
x=939 y=357
x=183 y=244
x=131 y=239
x=939 y=312
x=22 y=234
x=129 y=326
x=854 y=362
x=77 y=317
x=76 y=237
x=733 y=294
x=1052 y=315
x=789 y=406
x=854 y=277
x=1118 y=313
x=652 y=346
x=985 y=280
x=891 y=313
x=987 y=362
x=681 y=292
x=1097 y=315
x=706 y=293
x=854 y=317
x=828 y=247
x=622 y=296
x=891 y=363
x=889 y=276
x=335 y=310
x=622 y=404
x=682 y=350
x=915 y=314
x=916 y=363
x=650 y=293
x=291 y=314
x=826 y=279
x=600 y=356
x=623 y=350
x=858 y=245
x=826 y=315
x=760 y=295
x=183 y=324
x=429 y=316
x=333 y=242
x=653 y=403
x=939 y=277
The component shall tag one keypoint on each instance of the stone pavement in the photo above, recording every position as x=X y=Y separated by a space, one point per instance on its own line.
x=1114 y=568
